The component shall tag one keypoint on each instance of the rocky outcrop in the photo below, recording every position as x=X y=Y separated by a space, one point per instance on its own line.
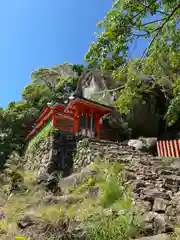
x=155 y=184
x=146 y=119
x=144 y=144
x=94 y=85
x=65 y=70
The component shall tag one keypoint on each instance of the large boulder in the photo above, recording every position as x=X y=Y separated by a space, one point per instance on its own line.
x=94 y=86
x=65 y=70
x=147 y=118
x=144 y=144
x=120 y=128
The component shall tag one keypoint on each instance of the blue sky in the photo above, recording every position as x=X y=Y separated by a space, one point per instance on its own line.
x=43 y=33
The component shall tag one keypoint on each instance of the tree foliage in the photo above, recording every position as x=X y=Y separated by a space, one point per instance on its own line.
x=124 y=23
x=157 y=21
x=17 y=119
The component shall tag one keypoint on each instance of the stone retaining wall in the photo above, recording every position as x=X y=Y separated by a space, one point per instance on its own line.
x=89 y=150
x=155 y=182
x=55 y=153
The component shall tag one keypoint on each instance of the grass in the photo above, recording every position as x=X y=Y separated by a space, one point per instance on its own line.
x=57 y=219
x=100 y=227
x=176 y=234
x=83 y=187
x=16 y=205
x=111 y=191
x=51 y=215
x=113 y=197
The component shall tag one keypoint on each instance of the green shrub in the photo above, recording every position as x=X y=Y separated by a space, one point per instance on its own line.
x=111 y=191
x=100 y=227
x=176 y=234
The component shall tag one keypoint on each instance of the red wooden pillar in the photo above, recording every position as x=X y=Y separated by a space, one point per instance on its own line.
x=97 y=126
x=158 y=149
x=176 y=148
x=91 y=127
x=54 y=119
x=76 y=122
x=86 y=125
x=178 y=143
x=161 y=148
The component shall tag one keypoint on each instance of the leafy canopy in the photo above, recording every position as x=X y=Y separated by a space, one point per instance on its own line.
x=127 y=21
x=48 y=85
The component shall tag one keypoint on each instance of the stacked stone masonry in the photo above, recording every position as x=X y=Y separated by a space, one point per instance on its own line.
x=54 y=153
x=155 y=184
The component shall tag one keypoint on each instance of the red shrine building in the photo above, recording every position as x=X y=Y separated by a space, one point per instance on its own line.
x=79 y=118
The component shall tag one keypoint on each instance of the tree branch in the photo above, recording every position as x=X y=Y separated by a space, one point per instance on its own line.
x=155 y=21
x=145 y=7
x=159 y=29
x=164 y=13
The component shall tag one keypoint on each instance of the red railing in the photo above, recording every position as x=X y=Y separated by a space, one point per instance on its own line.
x=168 y=148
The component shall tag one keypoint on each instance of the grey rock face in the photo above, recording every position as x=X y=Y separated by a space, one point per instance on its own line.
x=144 y=144
x=160 y=205
x=155 y=187
x=26 y=221
x=156 y=237
x=92 y=84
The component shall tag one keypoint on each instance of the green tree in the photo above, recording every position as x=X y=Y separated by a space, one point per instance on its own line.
x=17 y=119
x=126 y=22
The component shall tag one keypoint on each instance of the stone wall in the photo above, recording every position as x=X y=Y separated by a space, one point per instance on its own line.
x=55 y=153
x=37 y=158
x=88 y=150
x=155 y=182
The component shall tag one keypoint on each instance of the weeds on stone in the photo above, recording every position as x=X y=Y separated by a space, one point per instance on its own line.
x=100 y=227
x=111 y=191
x=57 y=219
x=168 y=160
x=51 y=215
x=114 y=197
x=176 y=234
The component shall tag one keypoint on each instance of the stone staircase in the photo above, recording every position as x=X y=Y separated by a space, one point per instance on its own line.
x=155 y=182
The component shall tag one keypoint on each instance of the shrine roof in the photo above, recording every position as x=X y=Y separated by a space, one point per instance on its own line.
x=87 y=106
x=47 y=110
